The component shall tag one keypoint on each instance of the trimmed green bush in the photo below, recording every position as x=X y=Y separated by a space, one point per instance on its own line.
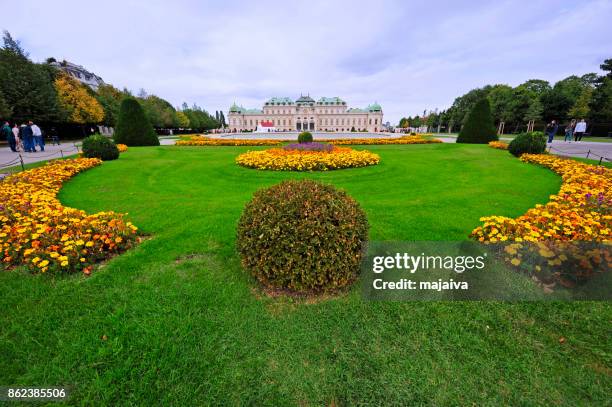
x=133 y=127
x=479 y=127
x=98 y=146
x=302 y=236
x=305 y=137
x=531 y=143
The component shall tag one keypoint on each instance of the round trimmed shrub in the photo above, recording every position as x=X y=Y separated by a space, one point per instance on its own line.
x=479 y=127
x=133 y=127
x=303 y=236
x=305 y=137
x=530 y=143
x=98 y=146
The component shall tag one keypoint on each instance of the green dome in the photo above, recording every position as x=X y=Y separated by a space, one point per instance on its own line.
x=375 y=108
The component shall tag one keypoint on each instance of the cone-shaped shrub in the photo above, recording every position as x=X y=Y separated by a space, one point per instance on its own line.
x=303 y=236
x=133 y=127
x=479 y=127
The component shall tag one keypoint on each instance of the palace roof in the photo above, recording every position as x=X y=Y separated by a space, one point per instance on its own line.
x=303 y=100
x=331 y=101
x=279 y=101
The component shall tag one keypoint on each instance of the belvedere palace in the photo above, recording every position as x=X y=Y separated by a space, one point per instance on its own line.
x=325 y=114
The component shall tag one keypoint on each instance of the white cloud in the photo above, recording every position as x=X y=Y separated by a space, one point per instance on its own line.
x=408 y=56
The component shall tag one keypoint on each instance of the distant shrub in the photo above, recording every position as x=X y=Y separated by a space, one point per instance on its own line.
x=479 y=127
x=98 y=146
x=353 y=129
x=304 y=236
x=530 y=143
x=305 y=137
x=133 y=127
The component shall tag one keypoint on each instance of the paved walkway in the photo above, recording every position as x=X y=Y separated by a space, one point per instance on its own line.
x=584 y=149
x=51 y=152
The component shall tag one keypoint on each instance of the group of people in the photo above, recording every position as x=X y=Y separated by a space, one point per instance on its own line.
x=24 y=138
x=573 y=129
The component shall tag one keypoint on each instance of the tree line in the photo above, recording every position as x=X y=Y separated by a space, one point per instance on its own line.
x=576 y=97
x=45 y=94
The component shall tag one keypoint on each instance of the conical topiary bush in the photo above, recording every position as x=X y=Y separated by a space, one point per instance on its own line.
x=479 y=127
x=133 y=127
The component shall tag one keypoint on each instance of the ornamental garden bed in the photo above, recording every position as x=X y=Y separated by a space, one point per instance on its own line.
x=199 y=318
x=307 y=157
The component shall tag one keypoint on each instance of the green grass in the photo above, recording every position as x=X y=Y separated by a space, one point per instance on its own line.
x=176 y=321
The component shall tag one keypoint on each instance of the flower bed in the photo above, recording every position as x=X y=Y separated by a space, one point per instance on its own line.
x=500 y=145
x=208 y=141
x=122 y=148
x=40 y=233
x=581 y=212
x=282 y=159
x=312 y=146
x=375 y=141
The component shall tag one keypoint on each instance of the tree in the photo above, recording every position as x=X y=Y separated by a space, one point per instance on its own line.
x=182 y=120
x=534 y=112
x=79 y=105
x=601 y=101
x=403 y=123
x=5 y=109
x=222 y=118
x=133 y=128
x=536 y=87
x=110 y=99
x=13 y=45
x=27 y=87
x=159 y=111
x=606 y=66
x=500 y=98
x=464 y=104
x=581 y=107
x=478 y=127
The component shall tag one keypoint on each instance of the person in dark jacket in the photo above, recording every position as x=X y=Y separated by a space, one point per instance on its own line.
x=551 y=130
x=28 y=138
x=10 y=137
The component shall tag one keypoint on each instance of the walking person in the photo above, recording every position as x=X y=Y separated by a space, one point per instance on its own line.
x=10 y=137
x=18 y=142
x=28 y=139
x=569 y=131
x=37 y=136
x=580 y=130
x=551 y=130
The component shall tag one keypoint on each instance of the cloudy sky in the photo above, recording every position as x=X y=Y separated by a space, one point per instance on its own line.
x=406 y=55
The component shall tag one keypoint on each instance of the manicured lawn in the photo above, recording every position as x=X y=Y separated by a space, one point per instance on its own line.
x=176 y=321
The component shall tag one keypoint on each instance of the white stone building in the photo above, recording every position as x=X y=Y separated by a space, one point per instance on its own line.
x=79 y=73
x=326 y=114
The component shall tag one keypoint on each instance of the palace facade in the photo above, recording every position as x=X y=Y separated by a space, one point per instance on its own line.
x=325 y=114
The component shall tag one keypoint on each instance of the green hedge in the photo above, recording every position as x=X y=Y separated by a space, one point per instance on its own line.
x=98 y=146
x=304 y=236
x=531 y=143
x=305 y=137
